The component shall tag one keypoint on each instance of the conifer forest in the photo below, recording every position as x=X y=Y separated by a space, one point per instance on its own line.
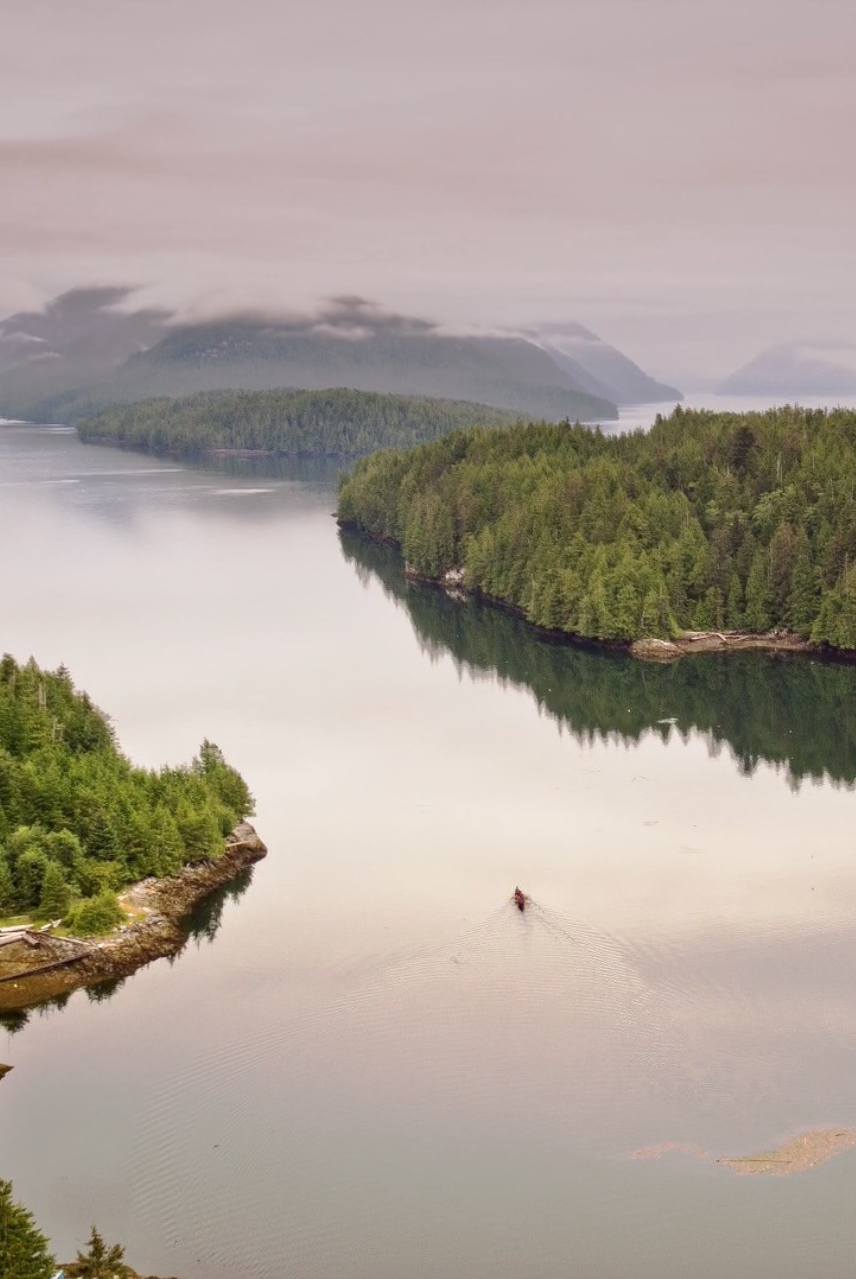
x=78 y=820
x=709 y=521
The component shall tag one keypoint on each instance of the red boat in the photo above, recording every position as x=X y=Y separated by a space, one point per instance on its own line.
x=520 y=899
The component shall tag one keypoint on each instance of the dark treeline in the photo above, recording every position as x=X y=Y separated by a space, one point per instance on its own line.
x=334 y=423
x=709 y=521
x=794 y=712
x=77 y=820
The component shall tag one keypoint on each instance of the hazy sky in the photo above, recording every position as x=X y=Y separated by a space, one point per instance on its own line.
x=677 y=174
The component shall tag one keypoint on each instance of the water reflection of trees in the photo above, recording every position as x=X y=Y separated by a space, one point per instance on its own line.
x=315 y=471
x=202 y=924
x=204 y=921
x=15 y=1020
x=104 y=990
x=795 y=712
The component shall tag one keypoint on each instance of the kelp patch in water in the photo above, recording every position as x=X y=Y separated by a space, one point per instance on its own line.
x=805 y=1150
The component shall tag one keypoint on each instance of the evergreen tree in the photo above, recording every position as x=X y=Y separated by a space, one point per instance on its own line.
x=29 y=875
x=8 y=895
x=24 y=1250
x=845 y=622
x=734 y=608
x=99 y=1261
x=56 y=894
x=759 y=595
x=783 y=554
x=804 y=597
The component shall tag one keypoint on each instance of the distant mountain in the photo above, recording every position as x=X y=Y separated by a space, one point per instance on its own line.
x=600 y=368
x=349 y=344
x=77 y=340
x=796 y=369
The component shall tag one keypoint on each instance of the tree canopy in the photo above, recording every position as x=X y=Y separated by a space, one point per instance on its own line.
x=78 y=820
x=332 y=423
x=100 y=1261
x=24 y=1250
x=708 y=521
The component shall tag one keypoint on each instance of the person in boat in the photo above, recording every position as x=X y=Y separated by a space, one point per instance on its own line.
x=519 y=899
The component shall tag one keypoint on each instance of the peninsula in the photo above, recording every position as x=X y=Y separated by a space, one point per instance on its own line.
x=93 y=848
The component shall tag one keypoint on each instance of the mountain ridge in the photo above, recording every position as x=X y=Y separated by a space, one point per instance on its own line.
x=89 y=348
x=795 y=368
x=90 y=355
x=601 y=368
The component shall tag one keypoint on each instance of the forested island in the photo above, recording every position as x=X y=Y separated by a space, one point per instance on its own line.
x=332 y=423
x=710 y=522
x=78 y=823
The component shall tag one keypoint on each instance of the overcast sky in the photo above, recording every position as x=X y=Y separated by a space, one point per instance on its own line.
x=678 y=175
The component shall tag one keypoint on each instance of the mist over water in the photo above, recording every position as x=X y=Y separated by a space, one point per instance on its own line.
x=368 y=1063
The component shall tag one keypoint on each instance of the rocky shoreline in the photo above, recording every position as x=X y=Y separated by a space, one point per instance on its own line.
x=57 y=965
x=660 y=650
x=649 y=648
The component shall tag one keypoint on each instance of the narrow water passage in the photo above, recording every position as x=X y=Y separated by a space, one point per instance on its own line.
x=368 y=1063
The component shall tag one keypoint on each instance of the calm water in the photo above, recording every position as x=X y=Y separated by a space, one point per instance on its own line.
x=366 y=1064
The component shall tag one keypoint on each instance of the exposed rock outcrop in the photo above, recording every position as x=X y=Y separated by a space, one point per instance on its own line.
x=719 y=642
x=655 y=650
x=157 y=907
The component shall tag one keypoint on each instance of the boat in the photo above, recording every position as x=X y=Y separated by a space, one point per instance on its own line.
x=520 y=899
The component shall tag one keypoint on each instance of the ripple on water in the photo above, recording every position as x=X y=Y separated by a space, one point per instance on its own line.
x=530 y=1028
x=525 y=1022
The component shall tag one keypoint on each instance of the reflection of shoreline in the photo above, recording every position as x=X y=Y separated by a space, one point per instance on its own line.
x=798 y=1154
x=787 y=709
x=305 y=467
x=167 y=912
x=648 y=648
x=691 y=642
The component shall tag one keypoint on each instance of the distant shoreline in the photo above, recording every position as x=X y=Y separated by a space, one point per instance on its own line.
x=105 y=441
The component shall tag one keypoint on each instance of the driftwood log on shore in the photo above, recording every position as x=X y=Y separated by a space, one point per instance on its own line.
x=62 y=964
x=648 y=648
x=720 y=642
